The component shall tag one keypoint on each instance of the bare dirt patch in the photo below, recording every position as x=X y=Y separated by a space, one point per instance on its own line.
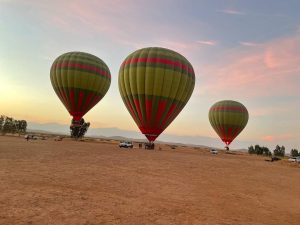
x=68 y=182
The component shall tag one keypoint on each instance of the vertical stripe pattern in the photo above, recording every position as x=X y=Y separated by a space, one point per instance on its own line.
x=228 y=118
x=155 y=84
x=80 y=80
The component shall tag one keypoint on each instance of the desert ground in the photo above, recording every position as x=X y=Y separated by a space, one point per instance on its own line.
x=95 y=182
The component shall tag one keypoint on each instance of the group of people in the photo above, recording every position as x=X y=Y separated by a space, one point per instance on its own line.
x=147 y=145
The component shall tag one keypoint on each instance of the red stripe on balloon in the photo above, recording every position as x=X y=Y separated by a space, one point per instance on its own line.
x=71 y=93
x=230 y=130
x=161 y=108
x=158 y=60
x=151 y=137
x=148 y=104
x=151 y=133
x=229 y=108
x=77 y=115
x=225 y=136
x=87 y=102
x=80 y=99
x=82 y=66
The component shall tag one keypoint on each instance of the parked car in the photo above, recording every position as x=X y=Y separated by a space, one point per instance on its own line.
x=214 y=151
x=126 y=144
x=30 y=136
x=294 y=159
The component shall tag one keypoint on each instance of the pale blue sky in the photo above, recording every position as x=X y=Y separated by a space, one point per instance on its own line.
x=242 y=50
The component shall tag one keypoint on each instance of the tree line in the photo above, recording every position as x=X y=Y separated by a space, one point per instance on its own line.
x=10 y=125
x=278 y=151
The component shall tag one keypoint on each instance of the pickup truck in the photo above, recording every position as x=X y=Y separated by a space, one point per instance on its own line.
x=126 y=144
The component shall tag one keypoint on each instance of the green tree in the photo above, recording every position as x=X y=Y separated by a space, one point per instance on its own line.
x=266 y=151
x=279 y=151
x=2 y=119
x=258 y=150
x=251 y=150
x=8 y=125
x=17 y=126
x=282 y=149
x=22 y=126
x=295 y=153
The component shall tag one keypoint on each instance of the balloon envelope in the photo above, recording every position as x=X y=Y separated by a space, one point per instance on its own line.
x=80 y=80
x=228 y=118
x=155 y=84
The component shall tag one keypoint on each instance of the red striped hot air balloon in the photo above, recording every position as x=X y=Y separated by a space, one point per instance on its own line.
x=80 y=80
x=155 y=85
x=228 y=118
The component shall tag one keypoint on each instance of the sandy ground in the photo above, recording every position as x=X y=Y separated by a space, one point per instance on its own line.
x=67 y=182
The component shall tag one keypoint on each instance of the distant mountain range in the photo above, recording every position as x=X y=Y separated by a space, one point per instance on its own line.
x=116 y=133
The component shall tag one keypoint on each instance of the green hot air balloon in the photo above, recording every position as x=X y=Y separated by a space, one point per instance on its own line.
x=80 y=80
x=228 y=118
x=155 y=84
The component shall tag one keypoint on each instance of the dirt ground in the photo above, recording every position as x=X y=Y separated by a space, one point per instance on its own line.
x=67 y=182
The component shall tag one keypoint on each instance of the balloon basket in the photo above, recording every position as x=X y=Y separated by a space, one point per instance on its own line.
x=149 y=145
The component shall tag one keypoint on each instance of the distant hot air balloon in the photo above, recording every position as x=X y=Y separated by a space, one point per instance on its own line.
x=80 y=80
x=155 y=84
x=228 y=118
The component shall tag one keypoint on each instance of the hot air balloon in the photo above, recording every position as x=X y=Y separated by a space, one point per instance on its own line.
x=155 y=84
x=80 y=80
x=228 y=118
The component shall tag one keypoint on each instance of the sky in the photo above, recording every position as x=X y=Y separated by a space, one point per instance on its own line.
x=248 y=51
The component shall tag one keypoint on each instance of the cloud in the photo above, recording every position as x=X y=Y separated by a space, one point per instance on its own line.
x=268 y=138
x=124 y=23
x=231 y=12
x=103 y=17
x=249 y=44
x=269 y=69
x=281 y=137
x=206 y=42
x=109 y=19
